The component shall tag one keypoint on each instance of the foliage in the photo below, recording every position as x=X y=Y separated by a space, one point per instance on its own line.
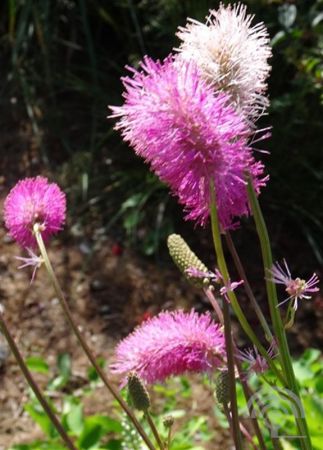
x=100 y=431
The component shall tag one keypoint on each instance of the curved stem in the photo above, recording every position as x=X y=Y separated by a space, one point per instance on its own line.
x=84 y=344
x=33 y=385
x=275 y=315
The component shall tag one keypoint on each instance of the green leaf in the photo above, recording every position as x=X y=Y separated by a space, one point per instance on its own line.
x=38 y=415
x=114 y=444
x=90 y=436
x=64 y=365
x=92 y=373
x=108 y=425
x=74 y=419
x=37 y=364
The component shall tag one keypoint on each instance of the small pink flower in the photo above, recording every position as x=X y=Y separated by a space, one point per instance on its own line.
x=31 y=201
x=33 y=261
x=170 y=344
x=296 y=288
x=257 y=363
x=228 y=287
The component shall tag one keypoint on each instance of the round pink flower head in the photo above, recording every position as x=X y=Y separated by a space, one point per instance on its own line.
x=171 y=343
x=190 y=135
x=232 y=54
x=31 y=201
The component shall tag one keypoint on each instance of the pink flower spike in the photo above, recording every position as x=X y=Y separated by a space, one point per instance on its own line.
x=33 y=260
x=169 y=344
x=190 y=135
x=34 y=201
x=297 y=288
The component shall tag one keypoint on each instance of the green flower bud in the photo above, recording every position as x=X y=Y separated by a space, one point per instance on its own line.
x=185 y=260
x=138 y=393
x=222 y=387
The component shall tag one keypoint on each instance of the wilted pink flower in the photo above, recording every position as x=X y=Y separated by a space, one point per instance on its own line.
x=190 y=136
x=32 y=261
x=257 y=363
x=296 y=288
x=229 y=286
x=31 y=201
x=232 y=54
x=169 y=344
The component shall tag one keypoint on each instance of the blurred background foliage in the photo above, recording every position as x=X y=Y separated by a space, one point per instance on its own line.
x=61 y=66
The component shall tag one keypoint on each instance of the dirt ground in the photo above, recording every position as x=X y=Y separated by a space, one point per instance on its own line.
x=110 y=292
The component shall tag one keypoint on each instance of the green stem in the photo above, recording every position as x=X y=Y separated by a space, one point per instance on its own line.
x=275 y=314
x=246 y=284
x=232 y=382
x=33 y=385
x=227 y=326
x=246 y=389
x=154 y=430
x=231 y=295
x=82 y=341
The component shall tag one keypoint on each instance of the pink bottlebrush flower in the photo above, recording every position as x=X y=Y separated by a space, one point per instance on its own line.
x=31 y=201
x=169 y=344
x=190 y=135
x=32 y=261
x=296 y=288
x=232 y=55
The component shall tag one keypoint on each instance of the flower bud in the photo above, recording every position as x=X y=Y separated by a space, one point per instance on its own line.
x=187 y=261
x=222 y=387
x=168 y=421
x=138 y=392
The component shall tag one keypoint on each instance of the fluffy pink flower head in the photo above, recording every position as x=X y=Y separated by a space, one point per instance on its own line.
x=232 y=54
x=31 y=201
x=169 y=344
x=190 y=135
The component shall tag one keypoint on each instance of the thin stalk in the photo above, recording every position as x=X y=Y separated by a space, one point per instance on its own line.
x=232 y=382
x=246 y=284
x=231 y=295
x=169 y=438
x=275 y=315
x=33 y=385
x=227 y=328
x=154 y=430
x=208 y=292
x=246 y=389
x=82 y=341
